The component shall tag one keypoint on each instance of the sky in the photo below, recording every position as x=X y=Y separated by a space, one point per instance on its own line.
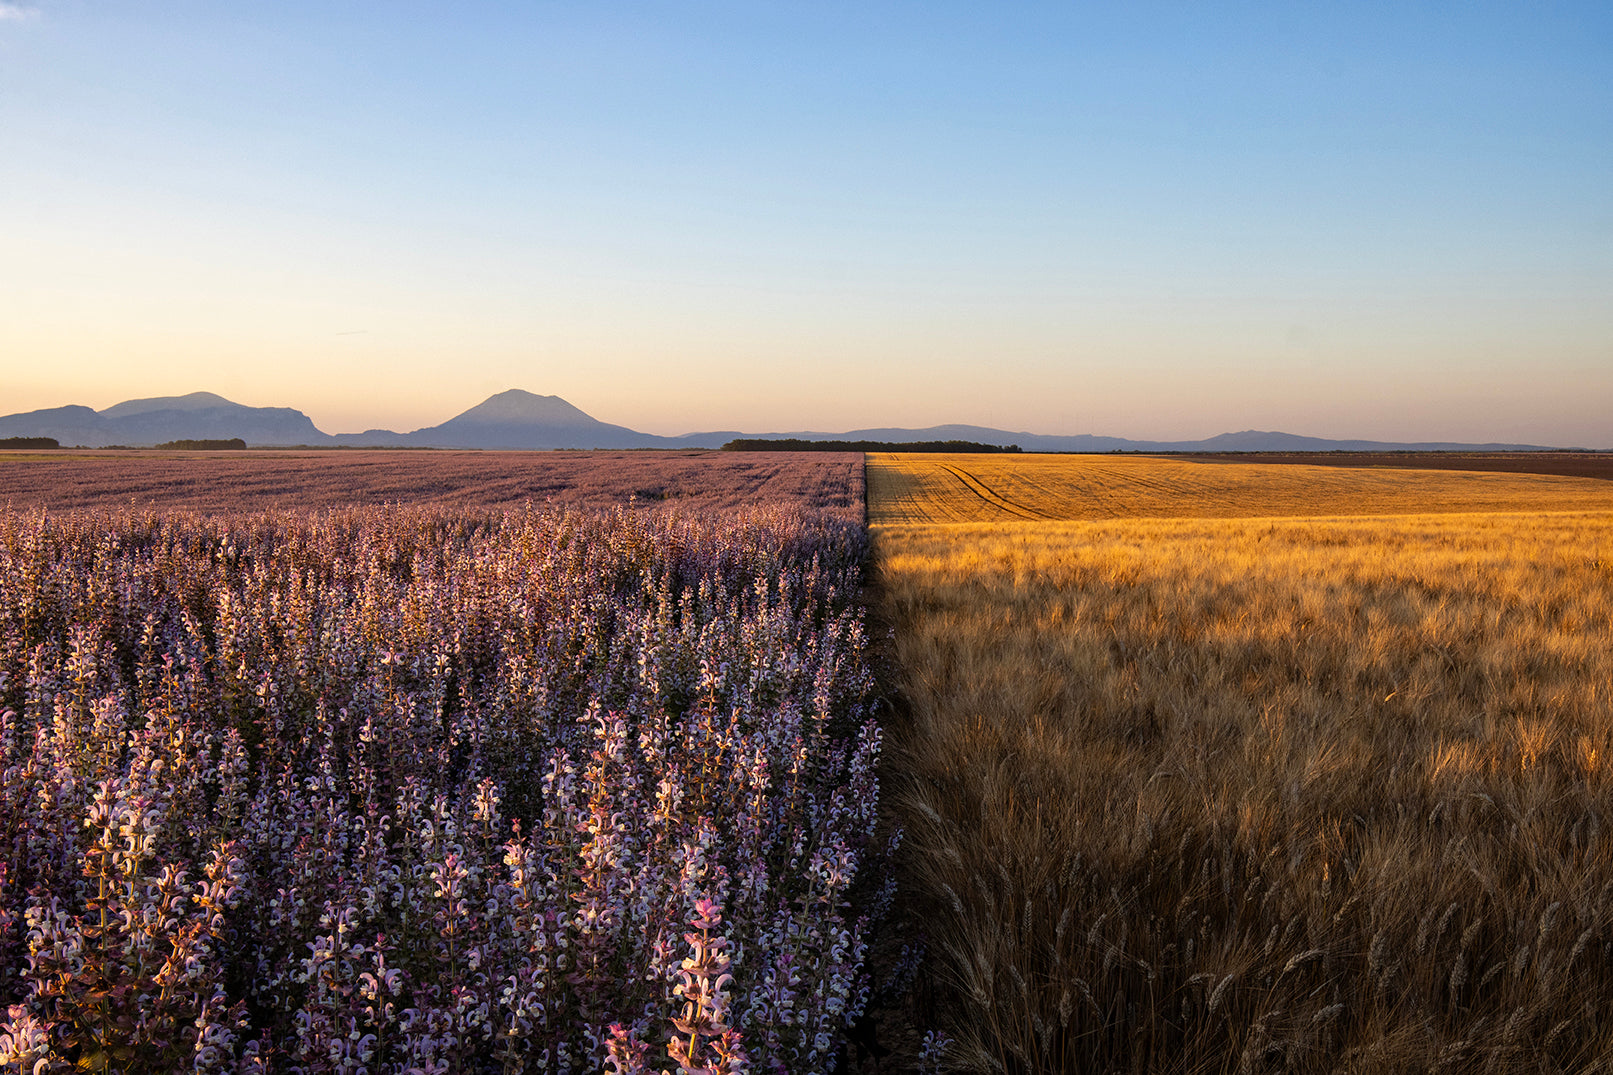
x=1391 y=221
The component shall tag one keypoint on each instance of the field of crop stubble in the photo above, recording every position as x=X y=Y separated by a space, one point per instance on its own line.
x=1217 y=794
x=432 y=790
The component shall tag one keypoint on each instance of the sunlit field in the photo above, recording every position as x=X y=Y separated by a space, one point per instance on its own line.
x=993 y=488
x=1256 y=795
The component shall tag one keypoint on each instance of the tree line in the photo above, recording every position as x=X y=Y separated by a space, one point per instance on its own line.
x=792 y=444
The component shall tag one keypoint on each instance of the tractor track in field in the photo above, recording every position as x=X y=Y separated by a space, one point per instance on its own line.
x=990 y=496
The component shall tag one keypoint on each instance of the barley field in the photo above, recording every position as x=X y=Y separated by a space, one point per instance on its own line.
x=1255 y=795
x=1032 y=488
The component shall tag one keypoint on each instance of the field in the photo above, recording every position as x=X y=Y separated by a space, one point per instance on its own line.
x=989 y=488
x=1211 y=794
x=566 y=762
x=434 y=790
x=1567 y=464
x=262 y=479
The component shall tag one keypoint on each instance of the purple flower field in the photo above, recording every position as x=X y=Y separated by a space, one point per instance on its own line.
x=264 y=479
x=412 y=789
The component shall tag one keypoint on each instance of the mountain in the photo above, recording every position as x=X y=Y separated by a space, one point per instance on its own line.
x=193 y=403
x=141 y=422
x=524 y=420
x=1250 y=440
x=521 y=420
x=1031 y=442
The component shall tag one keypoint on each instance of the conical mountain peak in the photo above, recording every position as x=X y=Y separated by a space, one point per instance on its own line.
x=516 y=405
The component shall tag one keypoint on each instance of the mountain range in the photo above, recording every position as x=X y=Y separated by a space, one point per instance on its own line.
x=522 y=420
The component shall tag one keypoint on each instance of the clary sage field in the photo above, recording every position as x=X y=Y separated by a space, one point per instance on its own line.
x=429 y=790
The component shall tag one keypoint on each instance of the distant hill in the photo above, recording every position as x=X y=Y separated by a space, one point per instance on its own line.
x=195 y=403
x=145 y=422
x=1250 y=440
x=524 y=420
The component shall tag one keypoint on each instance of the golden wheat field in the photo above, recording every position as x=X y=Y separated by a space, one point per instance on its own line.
x=1276 y=795
x=1002 y=488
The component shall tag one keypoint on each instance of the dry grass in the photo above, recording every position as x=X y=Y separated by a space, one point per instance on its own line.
x=1281 y=795
x=991 y=488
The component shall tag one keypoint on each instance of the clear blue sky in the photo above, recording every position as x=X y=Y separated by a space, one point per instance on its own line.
x=1381 y=220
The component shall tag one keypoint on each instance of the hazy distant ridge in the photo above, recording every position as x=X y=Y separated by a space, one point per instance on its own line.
x=144 y=422
x=523 y=420
x=1250 y=440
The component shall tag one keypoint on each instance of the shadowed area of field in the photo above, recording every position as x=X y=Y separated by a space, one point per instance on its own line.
x=976 y=488
x=247 y=481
